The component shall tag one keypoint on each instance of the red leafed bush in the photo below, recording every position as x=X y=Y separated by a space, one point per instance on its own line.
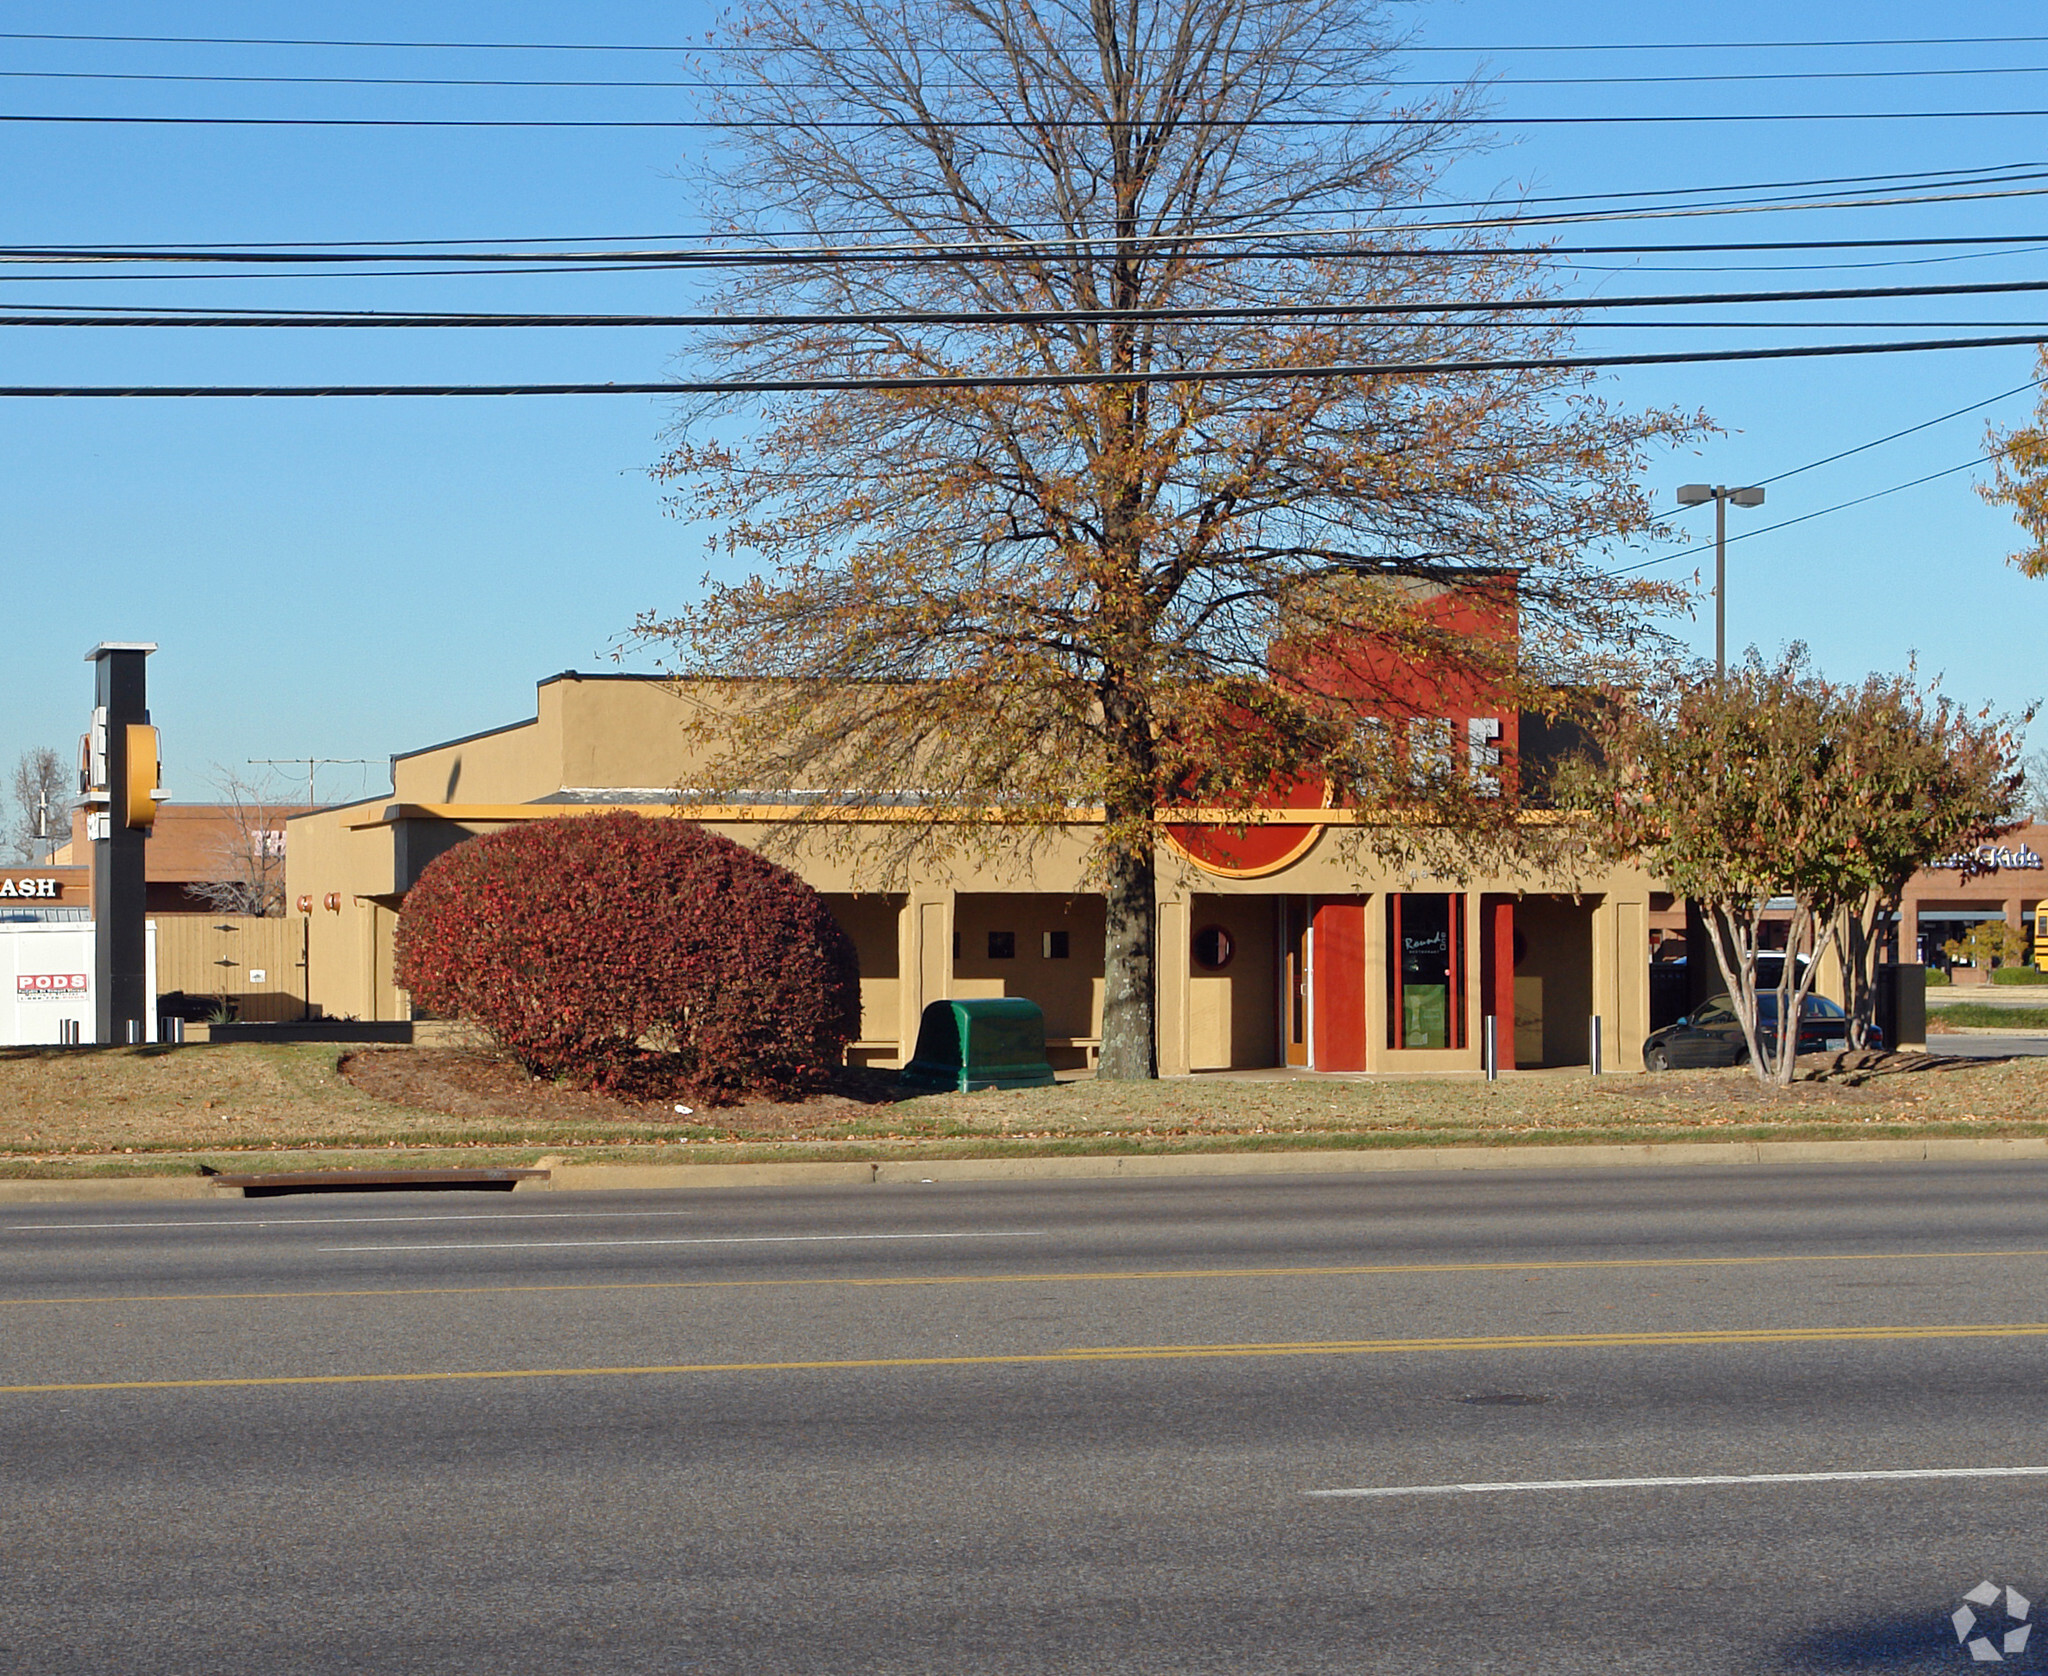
x=635 y=955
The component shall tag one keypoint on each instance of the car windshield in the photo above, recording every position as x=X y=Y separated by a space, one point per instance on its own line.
x=1817 y=1006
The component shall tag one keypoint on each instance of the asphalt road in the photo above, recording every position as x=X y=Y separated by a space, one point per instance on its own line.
x=1086 y=1427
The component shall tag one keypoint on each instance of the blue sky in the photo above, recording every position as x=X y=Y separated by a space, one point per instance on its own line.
x=347 y=579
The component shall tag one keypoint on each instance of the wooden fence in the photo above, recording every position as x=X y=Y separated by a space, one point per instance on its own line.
x=255 y=966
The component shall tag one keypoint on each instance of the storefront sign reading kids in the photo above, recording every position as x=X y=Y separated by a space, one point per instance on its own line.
x=1990 y=858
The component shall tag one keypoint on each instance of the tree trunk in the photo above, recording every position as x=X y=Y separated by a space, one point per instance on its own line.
x=1856 y=942
x=1130 y=1038
x=1735 y=949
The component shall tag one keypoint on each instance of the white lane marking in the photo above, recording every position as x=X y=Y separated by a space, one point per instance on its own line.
x=322 y=1221
x=1688 y=1483
x=714 y=1239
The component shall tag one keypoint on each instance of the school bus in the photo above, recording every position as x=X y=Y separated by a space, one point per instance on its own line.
x=2041 y=936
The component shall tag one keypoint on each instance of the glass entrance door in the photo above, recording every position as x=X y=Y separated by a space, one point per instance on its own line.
x=1294 y=961
x=1426 y=970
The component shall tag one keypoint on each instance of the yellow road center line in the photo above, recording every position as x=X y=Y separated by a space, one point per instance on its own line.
x=1046 y=1278
x=1094 y=1354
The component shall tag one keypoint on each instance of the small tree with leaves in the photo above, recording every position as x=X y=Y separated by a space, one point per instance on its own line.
x=1774 y=784
x=1989 y=944
x=1917 y=778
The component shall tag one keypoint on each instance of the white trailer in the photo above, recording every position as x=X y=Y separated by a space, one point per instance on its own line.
x=47 y=980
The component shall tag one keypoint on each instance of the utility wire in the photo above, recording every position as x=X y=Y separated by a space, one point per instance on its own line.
x=1827 y=511
x=1242 y=246
x=1003 y=381
x=2026 y=245
x=1847 y=453
x=1910 y=430
x=148 y=320
x=30 y=314
x=2008 y=187
x=685 y=48
x=700 y=85
x=998 y=124
x=1987 y=173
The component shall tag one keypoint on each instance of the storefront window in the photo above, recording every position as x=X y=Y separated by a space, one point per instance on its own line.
x=1426 y=971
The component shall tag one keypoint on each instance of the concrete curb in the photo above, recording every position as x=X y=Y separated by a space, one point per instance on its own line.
x=614 y=1178
x=1154 y=1166
x=105 y=1188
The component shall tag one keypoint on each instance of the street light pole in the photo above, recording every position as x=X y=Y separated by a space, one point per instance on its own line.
x=1698 y=494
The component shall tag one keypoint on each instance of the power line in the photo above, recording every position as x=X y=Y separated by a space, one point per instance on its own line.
x=148 y=321
x=620 y=85
x=999 y=124
x=1827 y=511
x=1002 y=381
x=1847 y=453
x=1910 y=430
x=36 y=315
x=2009 y=186
x=1245 y=246
x=2023 y=245
x=739 y=47
x=1878 y=494
x=1985 y=173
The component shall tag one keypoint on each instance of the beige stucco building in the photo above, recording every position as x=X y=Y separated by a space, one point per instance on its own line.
x=1320 y=960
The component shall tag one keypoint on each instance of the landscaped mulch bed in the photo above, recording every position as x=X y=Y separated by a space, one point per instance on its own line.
x=482 y=1083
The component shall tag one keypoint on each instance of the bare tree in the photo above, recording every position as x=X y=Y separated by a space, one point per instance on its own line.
x=247 y=858
x=1079 y=578
x=2033 y=796
x=42 y=796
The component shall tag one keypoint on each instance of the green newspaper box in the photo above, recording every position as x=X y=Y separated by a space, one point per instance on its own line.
x=964 y=1045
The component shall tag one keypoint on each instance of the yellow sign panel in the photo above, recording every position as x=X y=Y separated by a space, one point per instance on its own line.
x=142 y=775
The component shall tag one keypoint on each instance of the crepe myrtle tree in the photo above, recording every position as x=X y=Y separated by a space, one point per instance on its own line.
x=1921 y=779
x=1773 y=783
x=1049 y=590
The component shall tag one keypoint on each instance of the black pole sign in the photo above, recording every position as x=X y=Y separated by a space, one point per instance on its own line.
x=120 y=796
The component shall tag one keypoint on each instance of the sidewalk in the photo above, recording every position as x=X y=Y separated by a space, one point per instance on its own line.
x=621 y=1178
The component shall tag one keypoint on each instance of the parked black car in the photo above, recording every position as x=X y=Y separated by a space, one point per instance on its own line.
x=1712 y=1036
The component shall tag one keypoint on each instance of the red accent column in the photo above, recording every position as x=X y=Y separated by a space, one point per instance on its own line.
x=1338 y=974
x=1497 y=973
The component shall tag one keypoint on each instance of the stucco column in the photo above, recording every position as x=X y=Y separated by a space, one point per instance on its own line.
x=1173 y=964
x=924 y=958
x=1831 y=978
x=1909 y=932
x=1378 y=1032
x=1621 y=980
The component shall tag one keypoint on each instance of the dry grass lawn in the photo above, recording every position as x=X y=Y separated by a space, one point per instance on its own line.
x=130 y=1110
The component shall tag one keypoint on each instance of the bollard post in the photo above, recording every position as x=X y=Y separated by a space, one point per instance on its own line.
x=1489 y=1050
x=1595 y=1056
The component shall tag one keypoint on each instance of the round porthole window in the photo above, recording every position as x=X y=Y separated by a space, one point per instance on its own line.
x=1213 y=947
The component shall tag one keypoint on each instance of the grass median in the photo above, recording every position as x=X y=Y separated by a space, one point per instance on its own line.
x=124 y=1111
x=1987 y=1015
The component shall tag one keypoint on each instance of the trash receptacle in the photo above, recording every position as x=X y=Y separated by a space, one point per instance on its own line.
x=965 y=1045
